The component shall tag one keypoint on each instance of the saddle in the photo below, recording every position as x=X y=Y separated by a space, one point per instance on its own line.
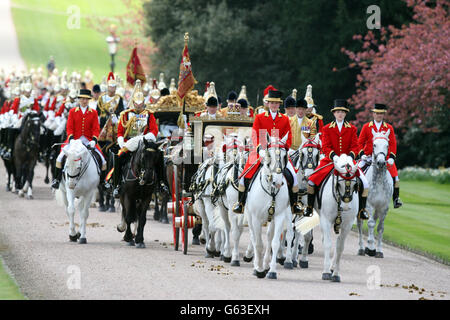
x=97 y=160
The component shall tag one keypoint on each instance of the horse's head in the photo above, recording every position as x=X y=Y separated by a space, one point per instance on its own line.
x=76 y=153
x=275 y=160
x=147 y=158
x=31 y=129
x=346 y=181
x=309 y=155
x=380 y=147
x=232 y=147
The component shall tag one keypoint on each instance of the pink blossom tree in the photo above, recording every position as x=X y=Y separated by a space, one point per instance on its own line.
x=406 y=68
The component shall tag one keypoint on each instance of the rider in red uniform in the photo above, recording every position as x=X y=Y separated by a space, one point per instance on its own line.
x=366 y=146
x=338 y=137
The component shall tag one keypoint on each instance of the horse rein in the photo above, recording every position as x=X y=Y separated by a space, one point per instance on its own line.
x=83 y=169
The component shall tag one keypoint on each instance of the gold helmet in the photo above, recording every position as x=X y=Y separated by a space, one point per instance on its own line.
x=308 y=96
x=161 y=83
x=138 y=96
x=294 y=94
x=172 y=88
x=243 y=93
x=212 y=91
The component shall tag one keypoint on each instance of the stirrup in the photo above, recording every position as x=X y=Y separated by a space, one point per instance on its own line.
x=363 y=215
x=238 y=208
x=55 y=184
x=308 y=212
x=397 y=203
x=296 y=209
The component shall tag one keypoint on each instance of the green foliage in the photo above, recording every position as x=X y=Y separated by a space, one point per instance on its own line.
x=8 y=289
x=288 y=44
x=441 y=175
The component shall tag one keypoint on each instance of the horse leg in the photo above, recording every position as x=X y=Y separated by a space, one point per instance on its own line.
x=30 y=184
x=295 y=243
x=85 y=203
x=325 y=226
x=236 y=232
x=157 y=212
x=370 y=250
x=275 y=244
x=288 y=263
x=304 y=257
x=280 y=257
x=360 y=224
x=380 y=230
x=256 y=230
x=70 y=210
x=142 y=219
x=226 y=243
x=346 y=226
x=269 y=252
x=129 y=214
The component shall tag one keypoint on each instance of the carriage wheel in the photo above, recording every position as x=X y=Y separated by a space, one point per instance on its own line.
x=185 y=225
x=176 y=199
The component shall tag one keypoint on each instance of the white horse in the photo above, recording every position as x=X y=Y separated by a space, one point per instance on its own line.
x=338 y=210
x=204 y=206
x=80 y=180
x=268 y=199
x=380 y=193
x=227 y=182
x=307 y=163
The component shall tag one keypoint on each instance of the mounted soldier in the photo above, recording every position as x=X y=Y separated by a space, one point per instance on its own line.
x=339 y=137
x=82 y=124
x=366 y=146
x=302 y=127
x=135 y=123
x=270 y=123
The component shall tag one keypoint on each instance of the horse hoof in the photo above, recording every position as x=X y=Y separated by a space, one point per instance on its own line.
x=311 y=248
x=235 y=263
x=21 y=194
x=120 y=229
x=248 y=259
x=217 y=253
x=288 y=265
x=226 y=259
x=294 y=264
x=75 y=237
x=164 y=220
x=209 y=255
x=281 y=260
x=326 y=276
x=261 y=275
x=140 y=245
x=112 y=209
x=102 y=208
x=46 y=180
x=8 y=189
x=131 y=243
x=30 y=197
x=361 y=252
x=370 y=253
x=335 y=279
x=82 y=241
x=272 y=275
x=303 y=264
x=379 y=255
x=195 y=241
x=202 y=241
x=221 y=257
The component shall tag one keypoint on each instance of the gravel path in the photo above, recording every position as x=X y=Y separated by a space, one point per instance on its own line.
x=34 y=244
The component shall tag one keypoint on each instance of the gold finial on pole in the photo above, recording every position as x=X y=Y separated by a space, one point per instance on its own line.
x=186 y=37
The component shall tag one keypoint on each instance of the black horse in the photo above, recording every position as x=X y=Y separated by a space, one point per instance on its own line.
x=26 y=153
x=142 y=174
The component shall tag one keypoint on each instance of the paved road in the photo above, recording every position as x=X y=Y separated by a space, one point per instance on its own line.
x=34 y=244
x=9 y=54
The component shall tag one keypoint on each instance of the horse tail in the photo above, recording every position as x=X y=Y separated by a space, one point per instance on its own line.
x=59 y=197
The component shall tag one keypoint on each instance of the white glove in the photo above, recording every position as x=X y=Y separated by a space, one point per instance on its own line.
x=150 y=137
x=120 y=142
x=114 y=119
x=92 y=144
x=262 y=153
x=390 y=161
x=364 y=157
x=335 y=159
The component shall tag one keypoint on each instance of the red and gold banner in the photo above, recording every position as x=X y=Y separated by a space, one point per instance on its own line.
x=134 y=69
x=186 y=80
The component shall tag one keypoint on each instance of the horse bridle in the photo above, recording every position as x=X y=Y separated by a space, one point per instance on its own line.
x=83 y=169
x=142 y=171
x=310 y=144
x=273 y=193
x=375 y=155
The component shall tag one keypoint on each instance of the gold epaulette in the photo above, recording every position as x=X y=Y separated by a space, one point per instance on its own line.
x=318 y=116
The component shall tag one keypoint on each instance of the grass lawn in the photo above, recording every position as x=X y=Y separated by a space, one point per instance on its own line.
x=42 y=30
x=423 y=223
x=8 y=289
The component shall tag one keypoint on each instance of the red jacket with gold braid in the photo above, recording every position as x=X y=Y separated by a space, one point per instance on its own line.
x=82 y=124
x=124 y=117
x=366 y=142
x=335 y=143
x=264 y=123
x=16 y=103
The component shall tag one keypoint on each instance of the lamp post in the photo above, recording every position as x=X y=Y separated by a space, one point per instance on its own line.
x=112 y=41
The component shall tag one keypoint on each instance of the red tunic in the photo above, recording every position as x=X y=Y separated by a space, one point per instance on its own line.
x=16 y=104
x=263 y=124
x=124 y=117
x=5 y=107
x=335 y=143
x=366 y=142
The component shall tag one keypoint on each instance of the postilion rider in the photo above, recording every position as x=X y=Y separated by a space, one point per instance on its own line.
x=270 y=122
x=135 y=121
x=338 y=137
x=366 y=146
x=82 y=124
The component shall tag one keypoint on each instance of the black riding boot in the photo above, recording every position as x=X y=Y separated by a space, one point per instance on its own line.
x=311 y=198
x=57 y=178
x=239 y=206
x=117 y=173
x=362 y=212
x=293 y=198
x=395 y=196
